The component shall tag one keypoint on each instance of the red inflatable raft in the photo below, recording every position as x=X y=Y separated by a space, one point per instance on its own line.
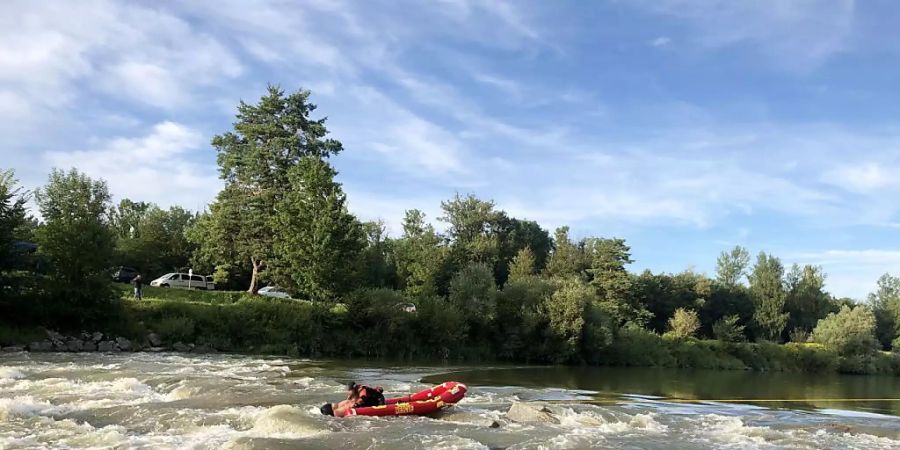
x=419 y=404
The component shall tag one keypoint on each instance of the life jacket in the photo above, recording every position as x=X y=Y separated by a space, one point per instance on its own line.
x=369 y=396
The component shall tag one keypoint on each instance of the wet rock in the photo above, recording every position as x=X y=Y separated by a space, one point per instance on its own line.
x=530 y=413
x=201 y=348
x=181 y=347
x=89 y=346
x=106 y=346
x=40 y=346
x=154 y=340
x=74 y=345
x=97 y=337
x=12 y=349
x=54 y=336
x=156 y=349
x=123 y=344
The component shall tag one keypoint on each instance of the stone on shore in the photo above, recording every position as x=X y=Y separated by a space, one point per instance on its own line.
x=154 y=340
x=123 y=344
x=106 y=346
x=74 y=345
x=181 y=347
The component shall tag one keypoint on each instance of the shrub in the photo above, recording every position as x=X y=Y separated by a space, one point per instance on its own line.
x=175 y=329
x=848 y=332
x=727 y=329
x=799 y=335
x=684 y=323
x=472 y=291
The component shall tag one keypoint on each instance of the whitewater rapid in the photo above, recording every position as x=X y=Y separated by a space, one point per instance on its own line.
x=157 y=401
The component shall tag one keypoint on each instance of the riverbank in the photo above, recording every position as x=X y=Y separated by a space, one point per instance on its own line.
x=205 y=322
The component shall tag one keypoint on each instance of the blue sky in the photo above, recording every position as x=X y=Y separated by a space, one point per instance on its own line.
x=685 y=127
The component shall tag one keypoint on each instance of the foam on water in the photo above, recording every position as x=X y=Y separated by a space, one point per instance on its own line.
x=11 y=373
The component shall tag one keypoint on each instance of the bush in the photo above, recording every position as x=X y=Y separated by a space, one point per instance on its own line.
x=727 y=329
x=175 y=329
x=684 y=323
x=849 y=332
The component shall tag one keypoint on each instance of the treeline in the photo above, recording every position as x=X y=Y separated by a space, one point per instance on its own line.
x=494 y=285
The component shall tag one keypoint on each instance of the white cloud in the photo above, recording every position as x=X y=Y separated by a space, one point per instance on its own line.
x=798 y=35
x=852 y=273
x=661 y=41
x=864 y=177
x=156 y=167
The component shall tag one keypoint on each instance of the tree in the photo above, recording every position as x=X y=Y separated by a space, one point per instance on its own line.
x=520 y=317
x=77 y=241
x=152 y=239
x=523 y=265
x=613 y=283
x=728 y=329
x=850 y=331
x=473 y=292
x=732 y=266
x=12 y=218
x=684 y=323
x=566 y=310
x=317 y=242
x=420 y=256
x=767 y=291
x=255 y=159
x=806 y=301
x=566 y=260
x=376 y=265
x=885 y=303
x=472 y=230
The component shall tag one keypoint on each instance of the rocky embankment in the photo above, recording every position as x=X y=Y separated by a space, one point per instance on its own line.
x=99 y=342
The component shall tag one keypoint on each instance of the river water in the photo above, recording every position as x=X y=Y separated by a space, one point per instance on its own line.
x=156 y=401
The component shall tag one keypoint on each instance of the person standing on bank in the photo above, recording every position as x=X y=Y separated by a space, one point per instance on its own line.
x=138 y=284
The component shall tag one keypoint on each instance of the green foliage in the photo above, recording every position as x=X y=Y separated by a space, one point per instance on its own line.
x=684 y=324
x=767 y=291
x=376 y=263
x=731 y=266
x=151 y=239
x=521 y=319
x=13 y=280
x=473 y=292
x=256 y=160
x=566 y=310
x=567 y=260
x=885 y=302
x=317 y=242
x=420 y=256
x=806 y=301
x=523 y=265
x=78 y=244
x=176 y=329
x=729 y=329
x=850 y=331
x=610 y=279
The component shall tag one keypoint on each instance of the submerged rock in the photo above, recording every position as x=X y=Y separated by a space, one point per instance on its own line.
x=89 y=346
x=12 y=349
x=181 y=347
x=531 y=413
x=452 y=415
x=40 y=346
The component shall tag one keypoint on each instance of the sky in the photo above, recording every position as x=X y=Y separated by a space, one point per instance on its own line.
x=685 y=127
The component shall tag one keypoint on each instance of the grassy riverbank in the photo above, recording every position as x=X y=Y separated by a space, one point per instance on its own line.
x=237 y=322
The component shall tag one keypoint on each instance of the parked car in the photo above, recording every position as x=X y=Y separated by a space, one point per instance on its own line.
x=272 y=291
x=124 y=274
x=184 y=281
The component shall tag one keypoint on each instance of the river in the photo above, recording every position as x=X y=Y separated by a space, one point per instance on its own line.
x=155 y=401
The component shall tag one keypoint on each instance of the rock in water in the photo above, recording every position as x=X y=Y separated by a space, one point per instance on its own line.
x=97 y=337
x=530 y=413
x=75 y=345
x=181 y=347
x=123 y=344
x=106 y=346
x=89 y=346
x=452 y=415
x=154 y=340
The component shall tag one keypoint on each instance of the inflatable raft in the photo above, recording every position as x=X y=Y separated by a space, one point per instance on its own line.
x=418 y=404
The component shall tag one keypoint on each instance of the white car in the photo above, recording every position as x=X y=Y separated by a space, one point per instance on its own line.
x=272 y=291
x=184 y=281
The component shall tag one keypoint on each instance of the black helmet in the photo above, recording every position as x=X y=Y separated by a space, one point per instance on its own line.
x=327 y=409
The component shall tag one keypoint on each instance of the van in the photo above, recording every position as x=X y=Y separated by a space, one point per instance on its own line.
x=184 y=281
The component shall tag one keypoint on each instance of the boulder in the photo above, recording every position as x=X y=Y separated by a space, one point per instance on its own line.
x=181 y=347
x=123 y=344
x=89 y=346
x=156 y=349
x=154 y=340
x=530 y=413
x=74 y=345
x=40 y=346
x=54 y=336
x=106 y=346
x=12 y=349
x=97 y=337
